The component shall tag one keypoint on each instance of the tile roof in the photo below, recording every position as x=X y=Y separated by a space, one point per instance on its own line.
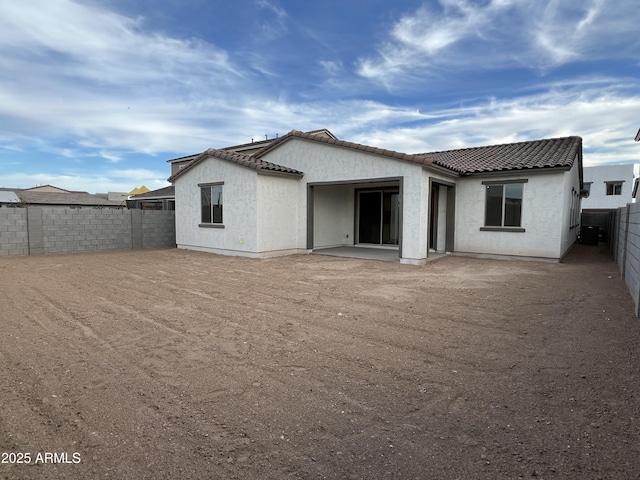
x=71 y=198
x=536 y=154
x=164 y=192
x=249 y=161
x=548 y=153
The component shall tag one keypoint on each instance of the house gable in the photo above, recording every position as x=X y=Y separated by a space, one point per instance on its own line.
x=247 y=161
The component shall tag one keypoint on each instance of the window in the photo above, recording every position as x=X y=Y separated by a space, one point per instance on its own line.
x=211 y=204
x=614 y=188
x=503 y=207
x=587 y=188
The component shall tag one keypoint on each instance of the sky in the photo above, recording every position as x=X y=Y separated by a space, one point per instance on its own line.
x=96 y=95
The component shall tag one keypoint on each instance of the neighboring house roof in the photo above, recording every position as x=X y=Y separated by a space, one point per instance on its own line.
x=71 y=198
x=249 y=161
x=139 y=190
x=7 y=196
x=47 y=188
x=252 y=146
x=160 y=193
x=548 y=153
x=421 y=159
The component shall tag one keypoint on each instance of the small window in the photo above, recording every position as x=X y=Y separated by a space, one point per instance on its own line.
x=503 y=205
x=211 y=203
x=587 y=188
x=614 y=188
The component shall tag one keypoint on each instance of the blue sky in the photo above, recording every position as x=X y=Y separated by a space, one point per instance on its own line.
x=97 y=95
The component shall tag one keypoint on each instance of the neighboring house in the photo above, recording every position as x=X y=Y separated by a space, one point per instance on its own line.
x=51 y=196
x=609 y=187
x=160 y=199
x=305 y=191
x=177 y=164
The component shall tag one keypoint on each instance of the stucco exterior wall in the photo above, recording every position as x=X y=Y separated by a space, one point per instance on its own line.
x=570 y=226
x=598 y=176
x=333 y=216
x=278 y=215
x=325 y=163
x=542 y=217
x=239 y=235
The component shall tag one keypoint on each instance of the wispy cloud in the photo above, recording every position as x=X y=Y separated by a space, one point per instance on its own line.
x=605 y=117
x=499 y=34
x=275 y=24
x=97 y=76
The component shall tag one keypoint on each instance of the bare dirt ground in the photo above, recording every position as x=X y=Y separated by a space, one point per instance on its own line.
x=169 y=364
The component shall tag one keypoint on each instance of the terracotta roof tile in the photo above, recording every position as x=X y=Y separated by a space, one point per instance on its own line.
x=242 y=159
x=548 y=153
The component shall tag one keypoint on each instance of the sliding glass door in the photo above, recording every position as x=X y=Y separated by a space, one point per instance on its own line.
x=378 y=217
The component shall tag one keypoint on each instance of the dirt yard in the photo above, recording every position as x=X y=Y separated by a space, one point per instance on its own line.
x=170 y=364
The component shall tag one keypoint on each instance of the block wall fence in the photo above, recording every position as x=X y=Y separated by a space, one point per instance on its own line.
x=624 y=243
x=40 y=230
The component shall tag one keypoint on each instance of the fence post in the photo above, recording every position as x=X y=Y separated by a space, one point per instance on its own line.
x=625 y=247
x=35 y=235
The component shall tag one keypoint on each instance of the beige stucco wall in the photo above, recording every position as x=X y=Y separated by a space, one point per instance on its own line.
x=542 y=217
x=278 y=215
x=239 y=235
x=571 y=184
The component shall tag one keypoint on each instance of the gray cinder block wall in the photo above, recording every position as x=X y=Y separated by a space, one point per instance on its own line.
x=39 y=230
x=13 y=231
x=625 y=247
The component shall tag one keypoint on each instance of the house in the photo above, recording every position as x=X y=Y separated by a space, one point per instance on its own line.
x=306 y=192
x=160 y=199
x=609 y=186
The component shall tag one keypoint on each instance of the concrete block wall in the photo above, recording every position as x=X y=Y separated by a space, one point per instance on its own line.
x=13 y=231
x=84 y=229
x=625 y=247
x=157 y=230
x=40 y=230
x=632 y=256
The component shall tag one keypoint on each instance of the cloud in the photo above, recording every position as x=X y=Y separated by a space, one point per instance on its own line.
x=461 y=35
x=82 y=72
x=106 y=181
x=605 y=117
x=276 y=25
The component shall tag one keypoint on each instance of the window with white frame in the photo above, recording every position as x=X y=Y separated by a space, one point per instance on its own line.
x=211 y=204
x=503 y=204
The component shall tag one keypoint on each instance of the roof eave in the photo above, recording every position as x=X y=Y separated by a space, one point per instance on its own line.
x=280 y=174
x=516 y=171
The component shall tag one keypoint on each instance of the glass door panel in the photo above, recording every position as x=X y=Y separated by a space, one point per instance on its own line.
x=369 y=217
x=390 y=218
